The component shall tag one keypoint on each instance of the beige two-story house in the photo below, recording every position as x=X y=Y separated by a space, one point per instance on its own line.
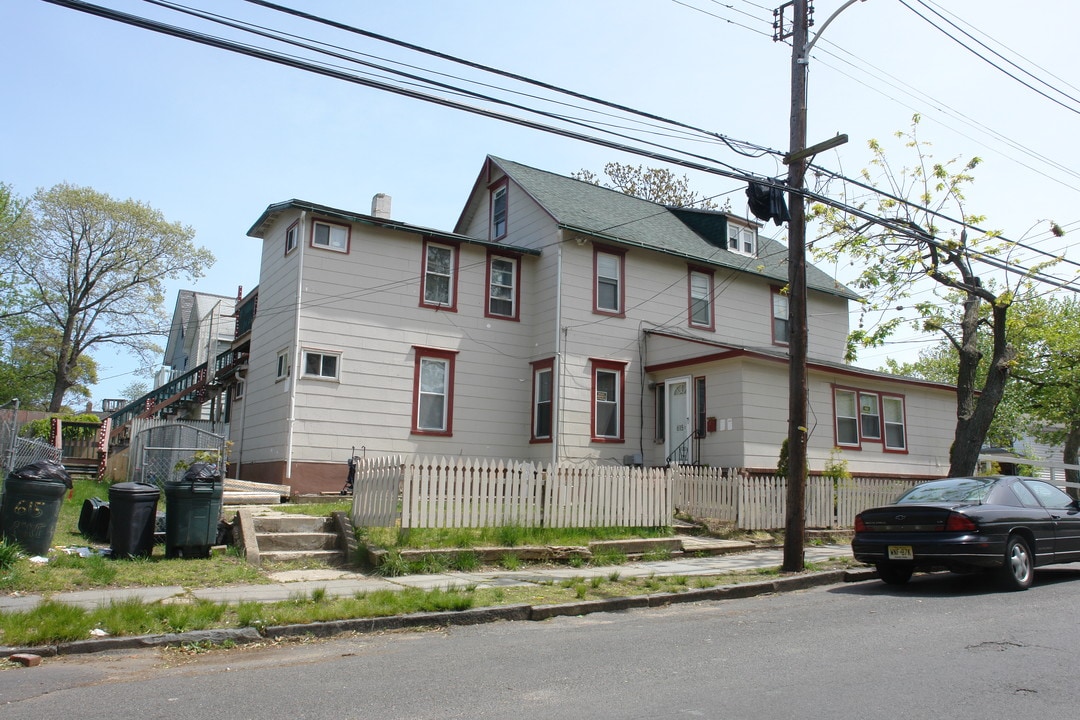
x=558 y=322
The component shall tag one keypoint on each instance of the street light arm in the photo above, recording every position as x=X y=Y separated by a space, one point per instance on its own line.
x=810 y=45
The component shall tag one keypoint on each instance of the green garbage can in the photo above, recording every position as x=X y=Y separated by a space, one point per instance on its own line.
x=192 y=512
x=31 y=504
x=132 y=519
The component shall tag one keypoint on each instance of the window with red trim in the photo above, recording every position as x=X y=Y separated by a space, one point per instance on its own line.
x=292 y=237
x=609 y=292
x=543 y=400
x=781 y=323
x=607 y=405
x=862 y=416
x=500 y=206
x=438 y=288
x=433 y=391
x=330 y=236
x=895 y=423
x=701 y=298
x=503 y=287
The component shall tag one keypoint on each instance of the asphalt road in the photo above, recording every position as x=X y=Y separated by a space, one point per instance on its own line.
x=943 y=646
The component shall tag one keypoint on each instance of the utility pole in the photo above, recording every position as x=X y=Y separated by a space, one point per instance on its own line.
x=798 y=433
x=795 y=519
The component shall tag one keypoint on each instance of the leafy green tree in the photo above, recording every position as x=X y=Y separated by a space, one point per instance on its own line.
x=1048 y=375
x=26 y=367
x=94 y=268
x=658 y=185
x=901 y=257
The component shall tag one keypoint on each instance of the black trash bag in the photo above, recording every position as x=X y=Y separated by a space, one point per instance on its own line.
x=42 y=470
x=202 y=472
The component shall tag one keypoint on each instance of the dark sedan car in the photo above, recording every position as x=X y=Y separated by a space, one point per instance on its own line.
x=1007 y=524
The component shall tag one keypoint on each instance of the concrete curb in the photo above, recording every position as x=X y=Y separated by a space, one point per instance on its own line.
x=476 y=616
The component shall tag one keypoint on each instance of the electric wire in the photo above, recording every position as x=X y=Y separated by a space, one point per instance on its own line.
x=987 y=60
x=262 y=54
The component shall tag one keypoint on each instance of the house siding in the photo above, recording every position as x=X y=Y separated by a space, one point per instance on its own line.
x=365 y=306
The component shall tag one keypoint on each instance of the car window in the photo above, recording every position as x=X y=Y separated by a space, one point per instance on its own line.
x=949 y=491
x=1027 y=498
x=1048 y=495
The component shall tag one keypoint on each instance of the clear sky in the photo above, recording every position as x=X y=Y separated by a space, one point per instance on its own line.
x=211 y=138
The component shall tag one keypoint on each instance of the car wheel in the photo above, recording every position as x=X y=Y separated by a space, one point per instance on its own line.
x=894 y=574
x=1018 y=572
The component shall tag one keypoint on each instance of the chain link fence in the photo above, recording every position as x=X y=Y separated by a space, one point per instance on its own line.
x=162 y=453
x=17 y=451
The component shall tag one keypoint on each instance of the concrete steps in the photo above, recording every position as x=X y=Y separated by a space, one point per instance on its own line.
x=269 y=535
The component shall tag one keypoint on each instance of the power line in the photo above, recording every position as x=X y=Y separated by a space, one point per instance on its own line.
x=734 y=173
x=992 y=64
x=502 y=73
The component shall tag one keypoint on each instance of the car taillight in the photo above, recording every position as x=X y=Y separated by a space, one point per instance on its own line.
x=957 y=522
x=860 y=526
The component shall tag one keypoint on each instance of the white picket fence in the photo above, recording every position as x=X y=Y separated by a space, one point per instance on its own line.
x=759 y=502
x=459 y=492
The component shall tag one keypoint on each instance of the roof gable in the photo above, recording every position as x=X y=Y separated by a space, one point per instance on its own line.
x=693 y=234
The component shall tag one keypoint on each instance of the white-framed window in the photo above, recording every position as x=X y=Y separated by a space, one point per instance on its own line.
x=869 y=416
x=608 y=289
x=292 y=237
x=499 y=210
x=781 y=321
x=433 y=391
x=607 y=410
x=330 y=236
x=440 y=275
x=701 y=299
x=321 y=365
x=502 y=287
x=543 y=400
x=238 y=390
x=846 y=404
x=895 y=431
x=742 y=239
x=282 y=365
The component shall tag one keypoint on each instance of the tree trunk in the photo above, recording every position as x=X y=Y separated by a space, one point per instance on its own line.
x=974 y=415
x=1072 y=449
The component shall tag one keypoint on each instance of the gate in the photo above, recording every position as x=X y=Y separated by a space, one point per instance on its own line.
x=163 y=452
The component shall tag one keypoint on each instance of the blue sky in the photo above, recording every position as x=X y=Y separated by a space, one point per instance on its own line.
x=211 y=138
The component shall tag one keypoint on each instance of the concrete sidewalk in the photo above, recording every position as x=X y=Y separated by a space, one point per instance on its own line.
x=344 y=583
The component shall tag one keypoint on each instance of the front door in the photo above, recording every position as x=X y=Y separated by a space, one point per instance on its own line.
x=678 y=447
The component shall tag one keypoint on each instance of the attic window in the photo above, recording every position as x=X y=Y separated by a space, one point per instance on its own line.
x=330 y=236
x=498 y=210
x=742 y=239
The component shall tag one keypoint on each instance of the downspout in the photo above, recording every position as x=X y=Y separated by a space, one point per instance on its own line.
x=556 y=397
x=294 y=369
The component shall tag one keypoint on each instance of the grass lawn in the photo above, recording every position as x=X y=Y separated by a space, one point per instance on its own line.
x=53 y=621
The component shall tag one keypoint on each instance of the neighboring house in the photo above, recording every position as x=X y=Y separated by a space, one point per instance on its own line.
x=559 y=321
x=203 y=327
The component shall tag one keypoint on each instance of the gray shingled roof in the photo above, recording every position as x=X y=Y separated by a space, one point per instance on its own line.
x=601 y=212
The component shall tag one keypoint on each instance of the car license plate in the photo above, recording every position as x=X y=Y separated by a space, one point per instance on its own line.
x=901 y=552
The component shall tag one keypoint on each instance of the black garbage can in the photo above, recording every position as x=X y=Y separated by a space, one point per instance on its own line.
x=31 y=504
x=192 y=511
x=94 y=520
x=132 y=518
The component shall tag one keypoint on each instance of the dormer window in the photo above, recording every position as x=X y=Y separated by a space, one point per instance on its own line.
x=742 y=239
